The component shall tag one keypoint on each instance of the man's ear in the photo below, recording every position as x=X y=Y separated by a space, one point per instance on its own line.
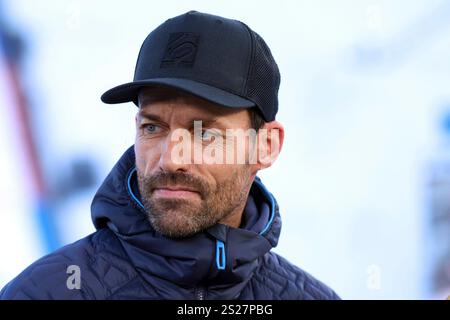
x=270 y=142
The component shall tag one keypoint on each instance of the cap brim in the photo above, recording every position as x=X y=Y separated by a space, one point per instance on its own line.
x=129 y=92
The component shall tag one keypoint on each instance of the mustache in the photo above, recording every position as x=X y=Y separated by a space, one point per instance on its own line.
x=163 y=179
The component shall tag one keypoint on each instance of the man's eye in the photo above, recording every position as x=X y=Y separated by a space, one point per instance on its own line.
x=151 y=128
x=208 y=135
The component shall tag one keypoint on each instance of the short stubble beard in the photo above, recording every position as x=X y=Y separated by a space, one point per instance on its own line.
x=178 y=218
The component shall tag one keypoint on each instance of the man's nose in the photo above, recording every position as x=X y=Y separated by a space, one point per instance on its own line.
x=170 y=159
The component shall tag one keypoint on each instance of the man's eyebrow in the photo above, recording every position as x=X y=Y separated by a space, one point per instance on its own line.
x=150 y=116
x=208 y=122
x=205 y=122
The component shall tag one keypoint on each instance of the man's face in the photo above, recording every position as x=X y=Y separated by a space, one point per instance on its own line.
x=183 y=198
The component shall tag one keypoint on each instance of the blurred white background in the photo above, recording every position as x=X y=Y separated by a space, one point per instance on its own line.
x=364 y=99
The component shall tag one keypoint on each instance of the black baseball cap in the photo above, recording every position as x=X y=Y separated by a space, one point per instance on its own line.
x=215 y=58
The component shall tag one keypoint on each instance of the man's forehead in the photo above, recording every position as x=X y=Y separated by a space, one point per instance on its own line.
x=155 y=98
x=162 y=113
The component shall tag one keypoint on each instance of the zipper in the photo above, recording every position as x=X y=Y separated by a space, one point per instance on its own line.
x=221 y=261
x=200 y=293
x=220 y=255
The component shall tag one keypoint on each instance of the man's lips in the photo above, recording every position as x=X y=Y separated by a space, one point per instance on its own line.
x=175 y=192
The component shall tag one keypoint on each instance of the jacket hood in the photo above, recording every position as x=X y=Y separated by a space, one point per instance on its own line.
x=220 y=258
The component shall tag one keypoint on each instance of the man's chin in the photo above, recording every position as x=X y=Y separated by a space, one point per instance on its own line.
x=179 y=224
x=173 y=222
x=175 y=232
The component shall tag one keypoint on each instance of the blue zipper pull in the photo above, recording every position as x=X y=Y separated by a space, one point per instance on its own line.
x=220 y=255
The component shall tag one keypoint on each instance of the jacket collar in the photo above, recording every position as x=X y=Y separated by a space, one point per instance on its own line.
x=220 y=258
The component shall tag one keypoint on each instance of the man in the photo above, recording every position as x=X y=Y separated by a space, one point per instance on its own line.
x=182 y=215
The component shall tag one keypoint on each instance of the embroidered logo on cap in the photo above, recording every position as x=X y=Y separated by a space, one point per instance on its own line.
x=181 y=50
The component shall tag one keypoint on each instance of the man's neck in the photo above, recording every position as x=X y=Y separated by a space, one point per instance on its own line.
x=233 y=220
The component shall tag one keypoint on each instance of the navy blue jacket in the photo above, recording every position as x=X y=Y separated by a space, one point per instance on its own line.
x=126 y=259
